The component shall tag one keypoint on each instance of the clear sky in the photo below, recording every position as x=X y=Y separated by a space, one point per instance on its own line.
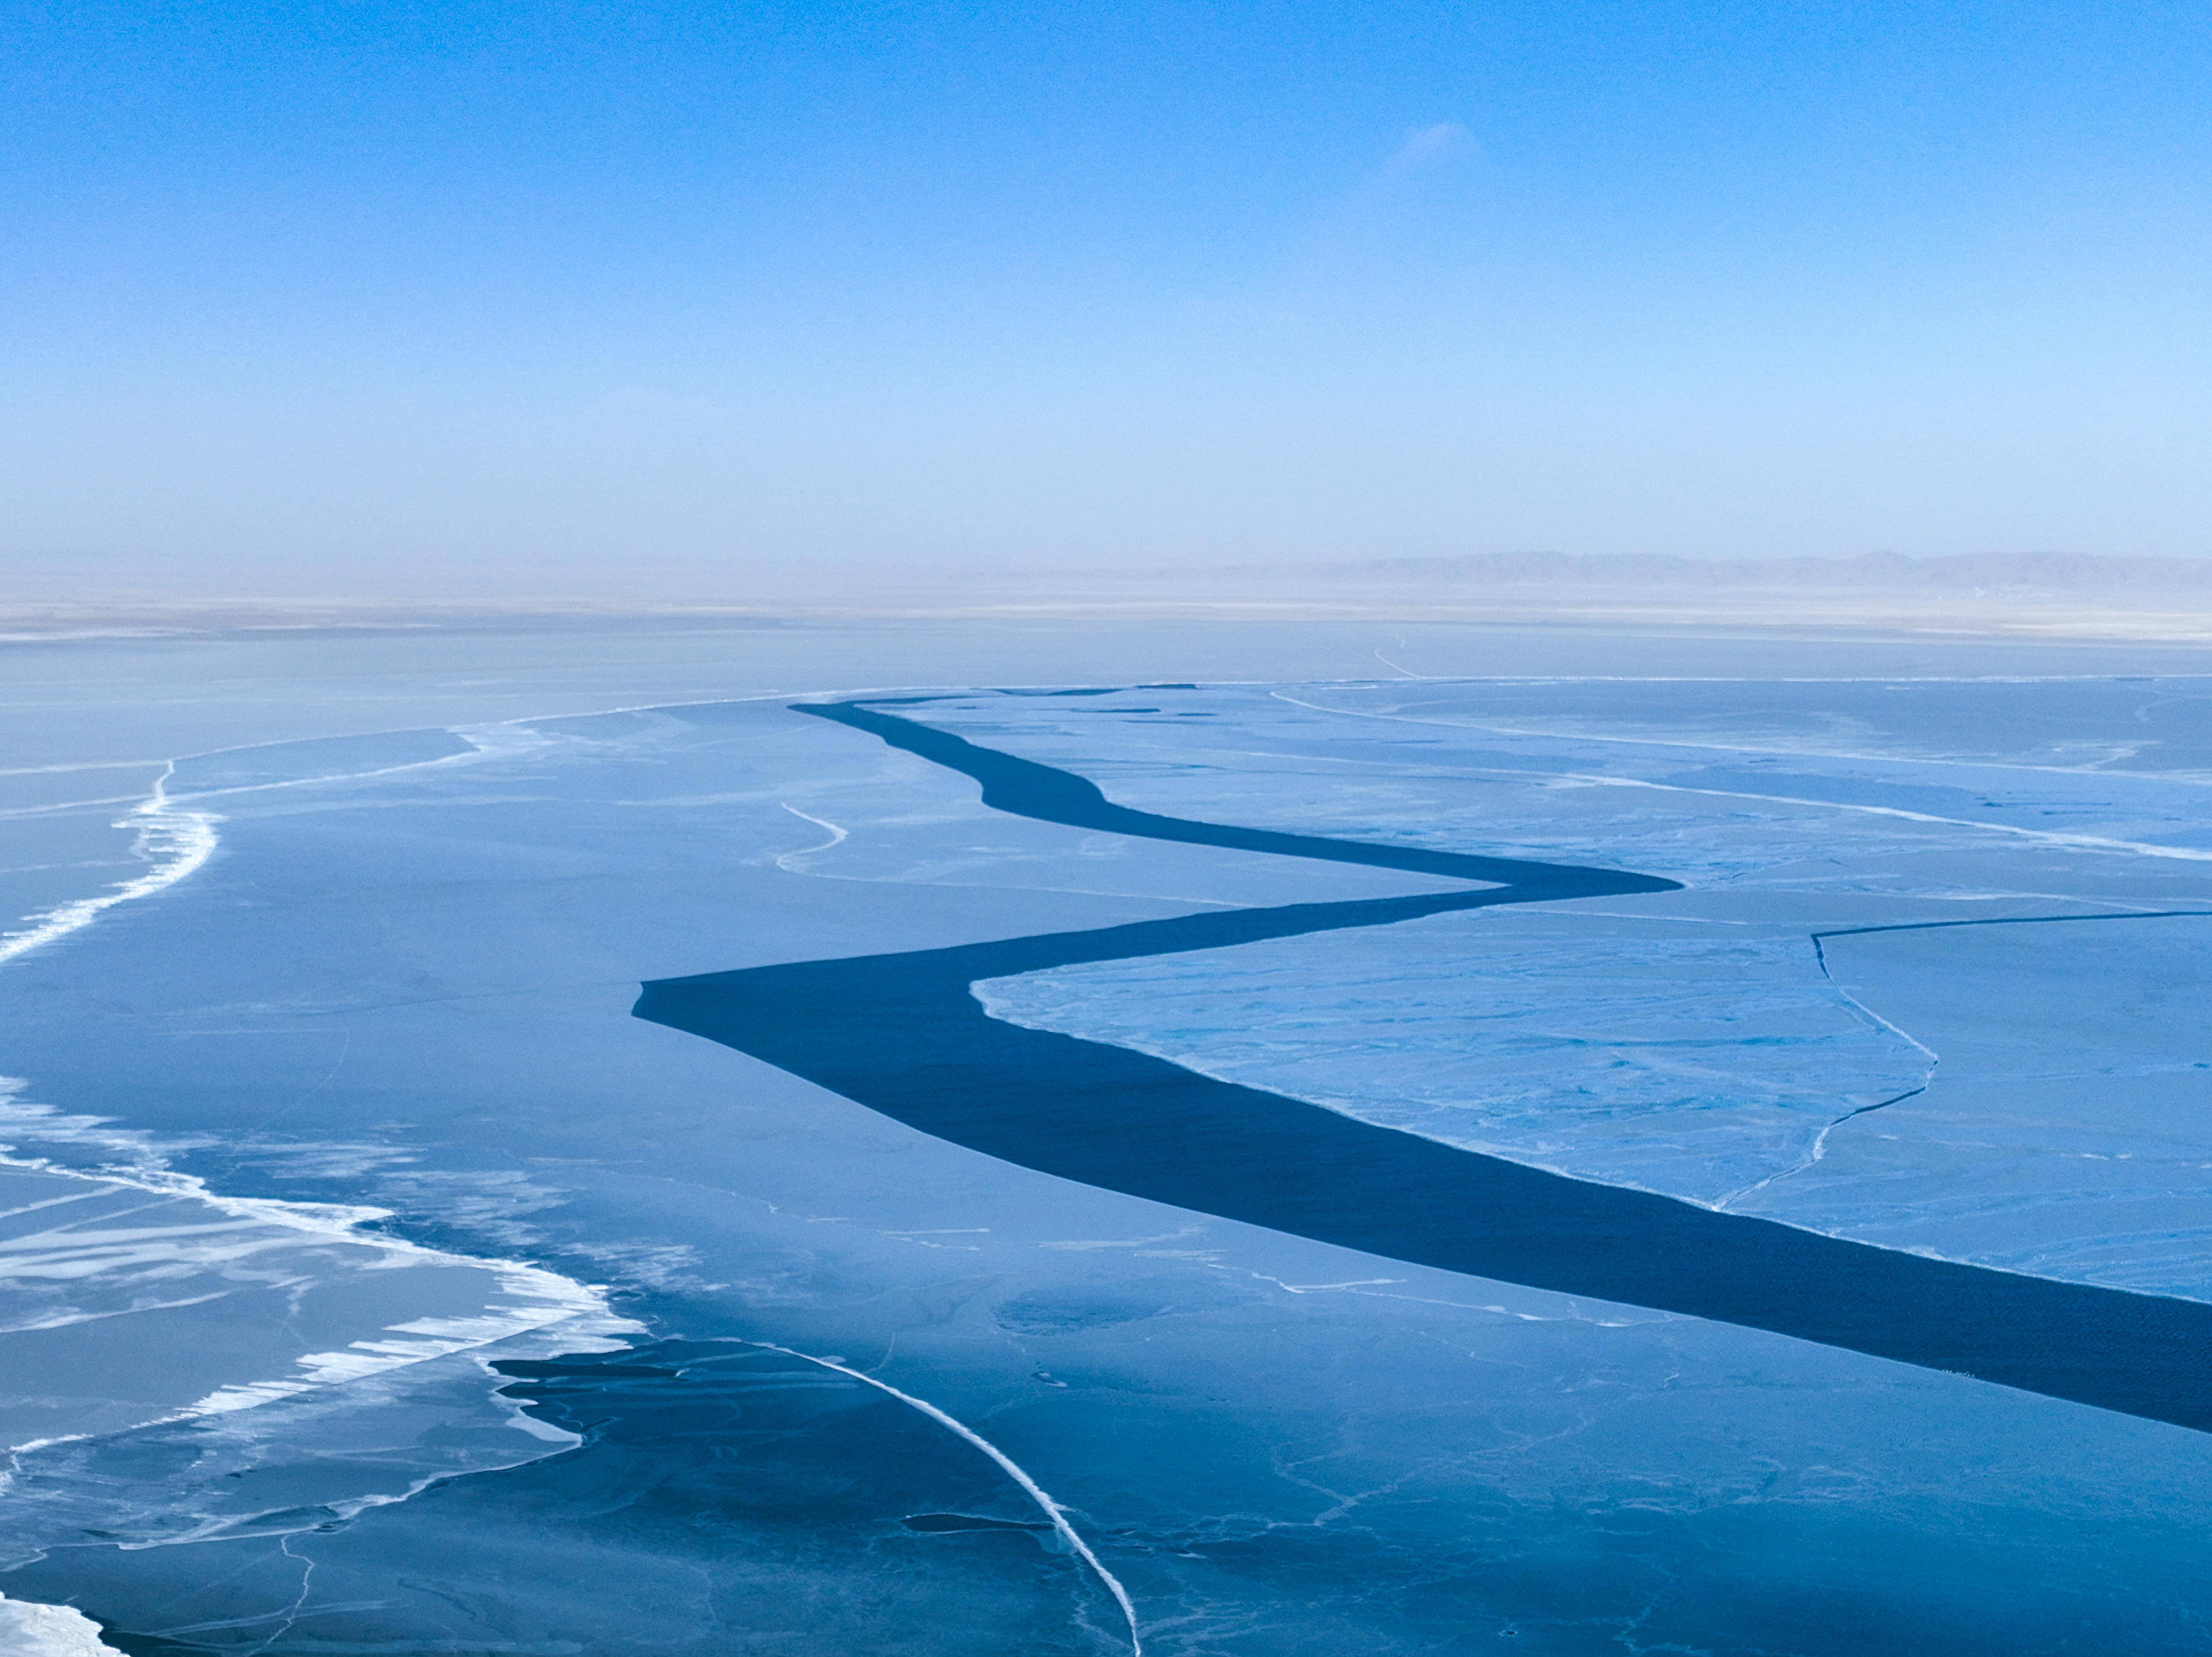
x=348 y=295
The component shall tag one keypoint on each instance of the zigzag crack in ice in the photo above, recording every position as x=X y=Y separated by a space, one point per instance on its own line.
x=904 y=1035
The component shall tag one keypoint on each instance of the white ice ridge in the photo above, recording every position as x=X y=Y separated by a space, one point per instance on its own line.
x=176 y=838
x=30 y=1629
x=175 y=841
x=1050 y=1508
x=537 y=1299
x=529 y=1297
x=2044 y=837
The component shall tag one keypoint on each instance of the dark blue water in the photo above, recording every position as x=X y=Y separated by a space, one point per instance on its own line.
x=902 y=1034
x=1025 y=789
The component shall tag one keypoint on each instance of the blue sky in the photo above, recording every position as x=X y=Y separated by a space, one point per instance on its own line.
x=465 y=296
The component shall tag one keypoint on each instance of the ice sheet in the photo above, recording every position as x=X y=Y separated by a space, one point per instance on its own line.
x=1698 y=1044
x=410 y=992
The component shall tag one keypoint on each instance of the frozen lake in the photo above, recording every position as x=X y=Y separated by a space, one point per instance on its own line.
x=374 y=1282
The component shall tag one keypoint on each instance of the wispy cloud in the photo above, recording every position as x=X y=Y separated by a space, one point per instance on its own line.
x=1430 y=145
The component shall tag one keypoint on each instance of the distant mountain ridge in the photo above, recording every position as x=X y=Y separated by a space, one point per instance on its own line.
x=2020 y=575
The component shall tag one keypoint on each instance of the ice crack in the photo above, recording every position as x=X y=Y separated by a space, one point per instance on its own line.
x=1051 y=1509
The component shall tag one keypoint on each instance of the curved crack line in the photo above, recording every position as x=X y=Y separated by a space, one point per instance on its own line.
x=837 y=837
x=1036 y=1492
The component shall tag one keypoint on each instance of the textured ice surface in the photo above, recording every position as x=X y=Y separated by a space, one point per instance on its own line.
x=2066 y=1130
x=409 y=990
x=159 y=1339
x=1616 y=1049
x=2026 y=1096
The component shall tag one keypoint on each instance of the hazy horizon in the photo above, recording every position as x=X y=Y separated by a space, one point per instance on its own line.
x=481 y=300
